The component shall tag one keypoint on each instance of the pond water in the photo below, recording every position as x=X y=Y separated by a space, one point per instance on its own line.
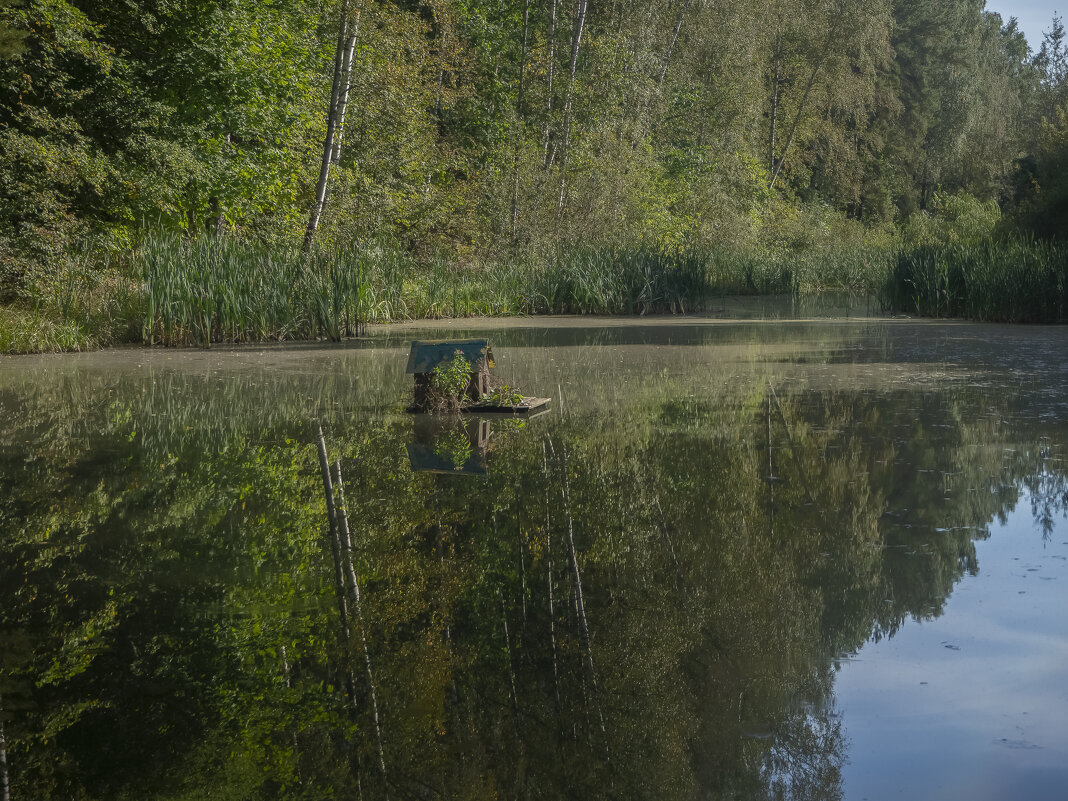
x=748 y=559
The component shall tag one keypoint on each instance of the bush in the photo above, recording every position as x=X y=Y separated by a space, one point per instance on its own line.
x=25 y=331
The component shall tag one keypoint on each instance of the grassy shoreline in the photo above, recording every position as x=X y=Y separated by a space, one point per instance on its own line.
x=173 y=291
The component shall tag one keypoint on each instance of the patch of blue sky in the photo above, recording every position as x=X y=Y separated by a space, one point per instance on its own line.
x=1034 y=16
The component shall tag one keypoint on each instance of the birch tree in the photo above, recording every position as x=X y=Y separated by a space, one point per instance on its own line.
x=824 y=63
x=674 y=38
x=551 y=69
x=347 y=33
x=569 y=98
x=519 y=122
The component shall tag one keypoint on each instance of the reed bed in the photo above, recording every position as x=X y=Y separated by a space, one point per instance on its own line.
x=620 y=281
x=178 y=291
x=1010 y=281
x=858 y=269
x=218 y=290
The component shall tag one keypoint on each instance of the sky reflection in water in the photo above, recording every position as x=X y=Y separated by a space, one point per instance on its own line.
x=972 y=704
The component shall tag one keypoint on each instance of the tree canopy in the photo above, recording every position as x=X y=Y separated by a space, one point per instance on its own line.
x=477 y=127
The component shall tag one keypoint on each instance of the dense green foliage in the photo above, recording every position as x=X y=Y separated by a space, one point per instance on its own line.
x=488 y=135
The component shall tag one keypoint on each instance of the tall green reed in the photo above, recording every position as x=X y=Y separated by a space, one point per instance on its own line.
x=217 y=289
x=1003 y=281
x=179 y=291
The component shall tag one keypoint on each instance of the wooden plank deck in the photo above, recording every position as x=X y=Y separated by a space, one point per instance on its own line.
x=525 y=406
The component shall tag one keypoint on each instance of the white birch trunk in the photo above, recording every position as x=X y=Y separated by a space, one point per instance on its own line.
x=354 y=586
x=580 y=604
x=549 y=571
x=549 y=93
x=674 y=40
x=335 y=542
x=334 y=112
x=518 y=126
x=576 y=42
x=508 y=651
x=776 y=84
x=346 y=87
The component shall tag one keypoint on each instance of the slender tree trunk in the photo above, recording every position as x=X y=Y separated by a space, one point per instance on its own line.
x=796 y=122
x=508 y=651
x=354 y=588
x=771 y=467
x=340 y=543
x=776 y=86
x=793 y=446
x=286 y=679
x=346 y=88
x=549 y=571
x=446 y=618
x=519 y=127
x=522 y=569
x=216 y=224
x=440 y=33
x=549 y=83
x=335 y=541
x=580 y=604
x=679 y=581
x=335 y=113
x=293 y=739
x=569 y=98
x=674 y=40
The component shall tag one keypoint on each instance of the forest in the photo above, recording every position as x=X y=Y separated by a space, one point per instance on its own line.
x=195 y=171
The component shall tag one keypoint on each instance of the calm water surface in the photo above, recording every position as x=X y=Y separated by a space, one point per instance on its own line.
x=736 y=560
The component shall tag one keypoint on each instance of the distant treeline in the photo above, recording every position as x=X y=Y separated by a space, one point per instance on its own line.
x=477 y=132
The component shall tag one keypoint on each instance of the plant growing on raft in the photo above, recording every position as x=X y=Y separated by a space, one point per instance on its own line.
x=503 y=395
x=449 y=382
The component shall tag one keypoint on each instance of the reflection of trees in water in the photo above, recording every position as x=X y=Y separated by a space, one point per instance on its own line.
x=1047 y=489
x=805 y=760
x=657 y=614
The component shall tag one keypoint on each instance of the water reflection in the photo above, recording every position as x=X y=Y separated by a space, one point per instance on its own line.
x=645 y=595
x=449 y=444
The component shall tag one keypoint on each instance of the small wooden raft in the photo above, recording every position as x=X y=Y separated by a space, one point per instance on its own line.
x=425 y=357
x=525 y=406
